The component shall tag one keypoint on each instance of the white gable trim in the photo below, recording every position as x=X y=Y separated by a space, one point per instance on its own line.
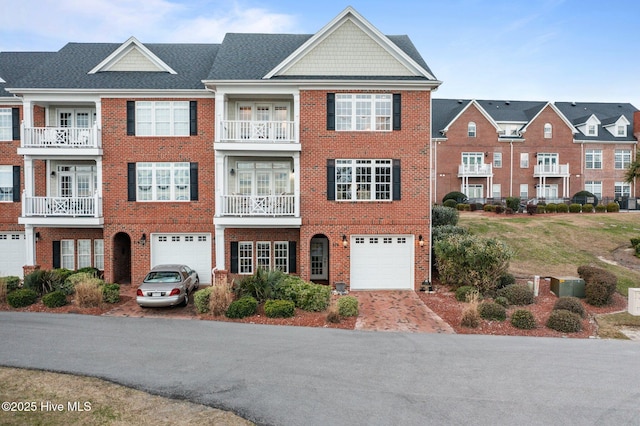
x=482 y=111
x=2 y=81
x=125 y=48
x=619 y=122
x=350 y=14
x=565 y=120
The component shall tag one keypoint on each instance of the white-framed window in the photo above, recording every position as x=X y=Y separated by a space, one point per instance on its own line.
x=592 y=130
x=67 y=254
x=245 y=257
x=6 y=124
x=594 y=187
x=496 y=190
x=363 y=180
x=524 y=160
x=162 y=118
x=524 y=191
x=84 y=253
x=262 y=178
x=363 y=112
x=497 y=160
x=622 y=189
x=263 y=255
x=593 y=159
x=471 y=129
x=6 y=183
x=622 y=159
x=281 y=256
x=163 y=181
x=473 y=190
x=98 y=254
x=621 y=130
x=548 y=130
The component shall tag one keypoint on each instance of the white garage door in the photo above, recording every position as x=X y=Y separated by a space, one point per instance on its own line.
x=382 y=262
x=12 y=253
x=193 y=250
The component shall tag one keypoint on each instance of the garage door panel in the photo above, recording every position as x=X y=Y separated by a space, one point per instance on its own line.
x=193 y=250
x=382 y=262
x=13 y=253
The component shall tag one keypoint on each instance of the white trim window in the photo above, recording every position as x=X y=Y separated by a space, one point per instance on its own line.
x=98 y=254
x=363 y=112
x=592 y=130
x=363 y=180
x=163 y=181
x=67 y=254
x=548 y=131
x=622 y=189
x=473 y=191
x=594 y=187
x=524 y=191
x=281 y=256
x=6 y=183
x=622 y=159
x=263 y=255
x=471 y=129
x=6 y=124
x=524 y=160
x=496 y=191
x=162 y=118
x=245 y=257
x=497 y=160
x=593 y=159
x=84 y=253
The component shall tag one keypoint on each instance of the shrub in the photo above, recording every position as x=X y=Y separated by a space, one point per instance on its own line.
x=111 y=293
x=533 y=209
x=601 y=208
x=69 y=286
x=12 y=282
x=220 y=299
x=462 y=293
x=243 y=307
x=37 y=281
x=450 y=203
x=541 y=209
x=587 y=208
x=582 y=197
x=22 y=297
x=562 y=208
x=571 y=304
x=600 y=285
x=333 y=316
x=613 y=207
x=502 y=301
x=201 y=299
x=279 y=308
x=634 y=242
x=489 y=208
x=261 y=285
x=463 y=207
x=523 y=319
x=517 y=294
x=513 y=203
x=88 y=293
x=575 y=208
x=54 y=299
x=499 y=209
x=457 y=196
x=505 y=280
x=470 y=315
x=348 y=306
x=3 y=291
x=564 y=321
x=472 y=260
x=551 y=208
x=441 y=216
x=444 y=231
x=638 y=250
x=492 y=311
x=314 y=297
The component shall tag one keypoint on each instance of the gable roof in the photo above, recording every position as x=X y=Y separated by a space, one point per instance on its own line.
x=144 y=59
x=511 y=111
x=15 y=65
x=557 y=111
x=579 y=112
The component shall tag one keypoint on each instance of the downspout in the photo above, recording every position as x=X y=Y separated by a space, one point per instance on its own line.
x=431 y=184
x=511 y=169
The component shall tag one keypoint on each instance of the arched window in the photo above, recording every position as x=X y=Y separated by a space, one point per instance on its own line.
x=471 y=129
x=548 y=130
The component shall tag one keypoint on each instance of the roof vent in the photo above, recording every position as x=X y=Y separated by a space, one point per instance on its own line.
x=573 y=104
x=507 y=102
x=459 y=101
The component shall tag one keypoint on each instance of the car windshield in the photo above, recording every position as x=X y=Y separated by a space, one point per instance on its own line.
x=162 y=277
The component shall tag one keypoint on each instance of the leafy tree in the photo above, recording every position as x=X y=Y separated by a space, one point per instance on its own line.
x=634 y=170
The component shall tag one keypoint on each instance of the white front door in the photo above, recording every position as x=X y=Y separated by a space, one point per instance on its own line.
x=319 y=259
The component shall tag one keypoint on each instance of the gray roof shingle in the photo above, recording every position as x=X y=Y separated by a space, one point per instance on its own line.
x=15 y=65
x=607 y=113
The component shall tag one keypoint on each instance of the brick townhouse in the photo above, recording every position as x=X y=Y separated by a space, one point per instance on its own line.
x=307 y=153
x=490 y=149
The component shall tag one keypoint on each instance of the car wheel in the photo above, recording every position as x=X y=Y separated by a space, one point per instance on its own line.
x=185 y=302
x=197 y=286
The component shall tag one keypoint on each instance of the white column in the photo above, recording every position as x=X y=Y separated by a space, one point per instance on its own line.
x=99 y=175
x=220 y=245
x=28 y=176
x=296 y=182
x=30 y=245
x=27 y=113
x=220 y=174
x=220 y=104
x=296 y=117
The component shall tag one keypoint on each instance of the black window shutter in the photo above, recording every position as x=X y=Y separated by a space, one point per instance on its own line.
x=292 y=257
x=396 y=179
x=56 y=254
x=15 y=123
x=131 y=118
x=234 y=257
x=193 y=118
x=331 y=111
x=193 y=178
x=397 y=111
x=16 y=184
x=331 y=179
x=131 y=181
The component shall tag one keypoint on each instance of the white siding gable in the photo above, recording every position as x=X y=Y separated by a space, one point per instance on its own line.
x=134 y=60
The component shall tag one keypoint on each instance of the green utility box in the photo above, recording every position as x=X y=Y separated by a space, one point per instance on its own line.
x=567 y=286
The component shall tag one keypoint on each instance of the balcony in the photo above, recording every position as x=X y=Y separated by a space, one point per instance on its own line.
x=551 y=170
x=75 y=211
x=62 y=140
x=475 y=170
x=258 y=135
x=259 y=205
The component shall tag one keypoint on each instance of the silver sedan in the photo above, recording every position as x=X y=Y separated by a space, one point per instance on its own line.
x=167 y=285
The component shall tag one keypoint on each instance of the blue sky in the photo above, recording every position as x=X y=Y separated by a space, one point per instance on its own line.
x=571 y=50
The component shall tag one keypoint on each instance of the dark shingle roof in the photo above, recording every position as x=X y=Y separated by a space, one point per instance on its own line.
x=520 y=111
x=607 y=113
x=443 y=111
x=15 y=65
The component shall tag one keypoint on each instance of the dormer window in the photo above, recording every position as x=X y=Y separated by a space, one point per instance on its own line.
x=621 y=131
x=548 y=130
x=471 y=129
x=592 y=130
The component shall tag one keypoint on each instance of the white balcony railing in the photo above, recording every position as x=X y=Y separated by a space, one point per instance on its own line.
x=475 y=170
x=257 y=131
x=60 y=137
x=258 y=205
x=62 y=206
x=551 y=170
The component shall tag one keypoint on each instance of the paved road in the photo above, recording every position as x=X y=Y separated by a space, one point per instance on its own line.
x=310 y=376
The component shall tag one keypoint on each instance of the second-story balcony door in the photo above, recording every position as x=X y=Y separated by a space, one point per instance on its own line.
x=76 y=181
x=549 y=162
x=263 y=178
x=264 y=121
x=81 y=118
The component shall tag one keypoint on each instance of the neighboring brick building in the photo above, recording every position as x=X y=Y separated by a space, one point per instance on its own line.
x=308 y=153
